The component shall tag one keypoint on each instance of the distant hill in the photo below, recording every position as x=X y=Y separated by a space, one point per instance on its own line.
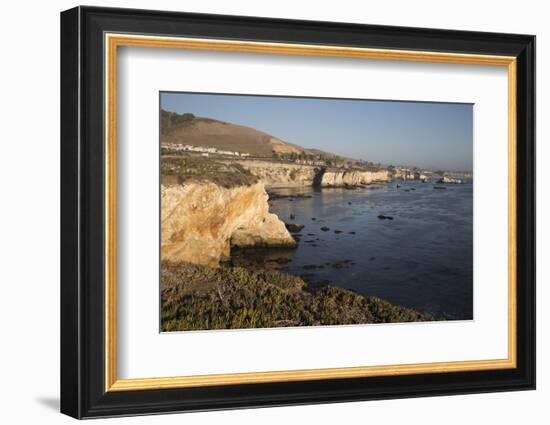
x=187 y=129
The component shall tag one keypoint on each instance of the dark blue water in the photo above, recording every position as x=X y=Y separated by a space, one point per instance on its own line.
x=421 y=259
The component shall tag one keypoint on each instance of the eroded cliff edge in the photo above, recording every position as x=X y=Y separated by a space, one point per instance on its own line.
x=339 y=178
x=200 y=221
x=288 y=175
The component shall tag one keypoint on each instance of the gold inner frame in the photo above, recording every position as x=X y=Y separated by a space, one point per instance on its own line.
x=113 y=41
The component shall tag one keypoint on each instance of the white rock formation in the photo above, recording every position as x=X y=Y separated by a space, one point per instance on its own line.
x=201 y=221
x=339 y=178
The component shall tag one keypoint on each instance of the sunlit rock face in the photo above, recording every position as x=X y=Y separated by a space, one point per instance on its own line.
x=282 y=174
x=201 y=221
x=339 y=178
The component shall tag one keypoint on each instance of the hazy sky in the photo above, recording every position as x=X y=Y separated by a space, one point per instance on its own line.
x=430 y=135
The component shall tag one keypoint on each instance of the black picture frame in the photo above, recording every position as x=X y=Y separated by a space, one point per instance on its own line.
x=83 y=392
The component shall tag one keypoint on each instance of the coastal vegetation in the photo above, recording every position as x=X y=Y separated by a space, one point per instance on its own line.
x=196 y=297
x=184 y=169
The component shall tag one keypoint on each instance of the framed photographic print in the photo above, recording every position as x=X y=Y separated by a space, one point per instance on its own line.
x=261 y=212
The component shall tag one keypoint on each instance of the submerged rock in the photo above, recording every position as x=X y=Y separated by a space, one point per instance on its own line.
x=342 y=263
x=293 y=227
x=325 y=229
x=313 y=266
x=385 y=217
x=283 y=260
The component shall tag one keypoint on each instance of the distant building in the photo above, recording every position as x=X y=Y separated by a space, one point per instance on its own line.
x=202 y=150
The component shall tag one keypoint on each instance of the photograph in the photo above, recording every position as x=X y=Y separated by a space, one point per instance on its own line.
x=280 y=211
x=284 y=210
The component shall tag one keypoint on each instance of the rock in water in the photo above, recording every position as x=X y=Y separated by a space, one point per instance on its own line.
x=385 y=217
x=294 y=228
x=449 y=180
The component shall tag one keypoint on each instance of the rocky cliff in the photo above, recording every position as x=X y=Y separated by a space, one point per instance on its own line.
x=202 y=220
x=339 y=178
x=282 y=174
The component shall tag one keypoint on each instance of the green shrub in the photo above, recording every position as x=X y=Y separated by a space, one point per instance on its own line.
x=198 y=297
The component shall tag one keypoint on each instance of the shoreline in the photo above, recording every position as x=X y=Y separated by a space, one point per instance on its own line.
x=196 y=297
x=210 y=211
x=357 y=226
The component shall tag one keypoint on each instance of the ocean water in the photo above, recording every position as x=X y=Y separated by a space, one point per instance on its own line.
x=422 y=258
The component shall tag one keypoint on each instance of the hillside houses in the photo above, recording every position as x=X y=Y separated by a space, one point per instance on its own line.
x=205 y=151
